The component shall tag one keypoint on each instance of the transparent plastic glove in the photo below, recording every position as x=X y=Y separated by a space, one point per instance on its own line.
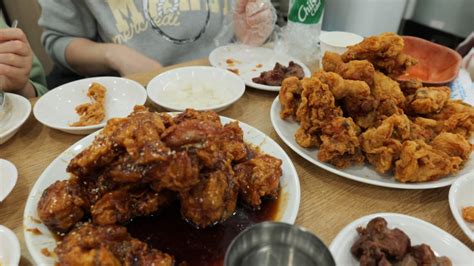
x=254 y=21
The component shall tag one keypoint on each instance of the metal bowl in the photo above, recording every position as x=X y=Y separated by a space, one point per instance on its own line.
x=273 y=243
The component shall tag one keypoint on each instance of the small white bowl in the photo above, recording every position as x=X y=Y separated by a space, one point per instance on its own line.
x=337 y=41
x=56 y=109
x=461 y=194
x=9 y=247
x=198 y=87
x=17 y=110
x=8 y=178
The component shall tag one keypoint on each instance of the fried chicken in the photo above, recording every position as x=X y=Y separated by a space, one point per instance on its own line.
x=342 y=88
x=92 y=113
x=384 y=51
x=361 y=70
x=454 y=145
x=409 y=87
x=107 y=245
x=290 y=97
x=257 y=178
x=457 y=117
x=429 y=100
x=279 y=72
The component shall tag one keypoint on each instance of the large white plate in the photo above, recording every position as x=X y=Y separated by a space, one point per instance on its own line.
x=290 y=187
x=461 y=195
x=364 y=173
x=247 y=58
x=419 y=231
x=56 y=109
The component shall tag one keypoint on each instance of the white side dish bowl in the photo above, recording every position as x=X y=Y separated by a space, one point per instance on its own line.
x=17 y=110
x=8 y=178
x=56 y=109
x=9 y=247
x=461 y=195
x=198 y=87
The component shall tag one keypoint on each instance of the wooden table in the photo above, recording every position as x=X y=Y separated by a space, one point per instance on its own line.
x=328 y=202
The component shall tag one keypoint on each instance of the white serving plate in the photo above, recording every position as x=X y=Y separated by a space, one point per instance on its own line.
x=419 y=231
x=9 y=247
x=364 y=173
x=290 y=188
x=17 y=110
x=247 y=58
x=8 y=178
x=56 y=109
x=461 y=194
x=195 y=87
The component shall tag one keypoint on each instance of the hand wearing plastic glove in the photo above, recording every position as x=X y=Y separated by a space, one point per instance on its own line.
x=253 y=21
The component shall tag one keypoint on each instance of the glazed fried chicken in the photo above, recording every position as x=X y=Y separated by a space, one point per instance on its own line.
x=107 y=245
x=420 y=162
x=384 y=51
x=279 y=72
x=428 y=100
x=92 y=113
x=212 y=200
x=257 y=178
x=340 y=143
x=361 y=70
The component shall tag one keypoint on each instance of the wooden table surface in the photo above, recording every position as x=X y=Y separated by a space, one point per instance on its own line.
x=328 y=202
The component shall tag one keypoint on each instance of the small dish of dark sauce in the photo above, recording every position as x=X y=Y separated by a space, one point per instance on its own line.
x=170 y=233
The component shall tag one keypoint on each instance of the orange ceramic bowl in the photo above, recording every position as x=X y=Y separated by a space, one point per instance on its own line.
x=437 y=64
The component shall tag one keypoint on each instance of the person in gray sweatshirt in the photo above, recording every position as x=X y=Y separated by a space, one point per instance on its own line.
x=99 y=37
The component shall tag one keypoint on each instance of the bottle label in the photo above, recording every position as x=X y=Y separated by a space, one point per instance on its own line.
x=306 y=11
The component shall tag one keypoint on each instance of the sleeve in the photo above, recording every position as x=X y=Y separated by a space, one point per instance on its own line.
x=62 y=21
x=38 y=78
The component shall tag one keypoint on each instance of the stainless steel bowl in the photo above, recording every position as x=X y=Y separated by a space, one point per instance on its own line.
x=272 y=243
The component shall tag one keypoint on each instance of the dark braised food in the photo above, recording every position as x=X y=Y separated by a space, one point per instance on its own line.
x=379 y=245
x=144 y=163
x=280 y=72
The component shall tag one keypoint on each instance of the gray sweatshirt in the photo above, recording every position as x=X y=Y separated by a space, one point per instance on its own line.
x=124 y=22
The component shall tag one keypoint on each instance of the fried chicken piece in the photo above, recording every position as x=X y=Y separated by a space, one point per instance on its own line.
x=377 y=244
x=457 y=117
x=454 y=145
x=120 y=206
x=258 y=178
x=382 y=145
x=340 y=143
x=386 y=89
x=191 y=114
x=409 y=87
x=468 y=214
x=62 y=205
x=429 y=100
x=290 y=97
x=361 y=70
x=317 y=106
x=189 y=132
x=342 y=88
x=276 y=76
x=92 y=113
x=384 y=51
x=107 y=245
x=420 y=162
x=212 y=200
x=424 y=255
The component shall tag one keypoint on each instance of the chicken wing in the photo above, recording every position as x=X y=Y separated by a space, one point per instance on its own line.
x=361 y=70
x=342 y=88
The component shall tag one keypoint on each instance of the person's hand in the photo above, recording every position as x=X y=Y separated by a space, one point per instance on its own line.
x=126 y=60
x=253 y=21
x=16 y=59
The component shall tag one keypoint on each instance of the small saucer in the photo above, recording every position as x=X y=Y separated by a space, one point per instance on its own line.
x=8 y=177
x=9 y=248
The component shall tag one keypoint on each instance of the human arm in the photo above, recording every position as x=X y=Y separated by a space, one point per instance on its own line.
x=254 y=21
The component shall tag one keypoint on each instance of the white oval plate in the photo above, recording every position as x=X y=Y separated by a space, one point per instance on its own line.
x=8 y=178
x=419 y=231
x=9 y=247
x=17 y=110
x=364 y=173
x=56 y=109
x=461 y=194
x=290 y=188
x=247 y=58
x=173 y=89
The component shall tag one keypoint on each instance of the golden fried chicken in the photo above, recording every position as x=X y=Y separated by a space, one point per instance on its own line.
x=290 y=97
x=384 y=51
x=454 y=145
x=456 y=117
x=62 y=205
x=409 y=87
x=382 y=145
x=429 y=100
x=361 y=70
x=92 y=113
x=212 y=200
x=342 y=88
x=420 y=162
x=257 y=178
x=340 y=143
x=107 y=245
x=120 y=206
